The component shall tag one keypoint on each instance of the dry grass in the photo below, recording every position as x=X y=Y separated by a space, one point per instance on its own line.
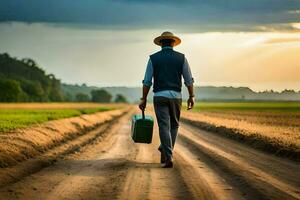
x=278 y=132
x=21 y=144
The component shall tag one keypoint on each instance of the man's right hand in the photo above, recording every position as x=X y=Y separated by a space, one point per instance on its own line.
x=190 y=103
x=142 y=104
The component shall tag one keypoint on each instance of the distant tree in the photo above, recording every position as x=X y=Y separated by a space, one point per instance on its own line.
x=68 y=96
x=101 y=96
x=10 y=91
x=54 y=91
x=5 y=55
x=81 y=97
x=34 y=90
x=29 y=62
x=286 y=91
x=120 y=99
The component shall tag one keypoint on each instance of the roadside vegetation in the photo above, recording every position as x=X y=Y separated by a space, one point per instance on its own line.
x=14 y=116
x=21 y=144
x=271 y=126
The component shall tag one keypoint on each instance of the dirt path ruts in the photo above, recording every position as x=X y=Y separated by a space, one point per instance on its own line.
x=255 y=174
x=206 y=167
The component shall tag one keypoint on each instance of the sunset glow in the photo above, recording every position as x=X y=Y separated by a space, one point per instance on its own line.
x=260 y=60
x=241 y=43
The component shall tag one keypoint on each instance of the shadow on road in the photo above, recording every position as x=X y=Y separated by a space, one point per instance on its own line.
x=93 y=167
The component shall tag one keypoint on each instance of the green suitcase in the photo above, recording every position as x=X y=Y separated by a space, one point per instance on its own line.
x=142 y=128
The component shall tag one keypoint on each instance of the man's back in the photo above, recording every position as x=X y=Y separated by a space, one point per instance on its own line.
x=167 y=70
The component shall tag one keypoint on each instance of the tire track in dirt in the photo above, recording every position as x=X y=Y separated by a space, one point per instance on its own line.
x=202 y=181
x=249 y=178
x=147 y=180
x=268 y=163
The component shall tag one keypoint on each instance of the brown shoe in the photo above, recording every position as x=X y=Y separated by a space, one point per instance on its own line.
x=168 y=164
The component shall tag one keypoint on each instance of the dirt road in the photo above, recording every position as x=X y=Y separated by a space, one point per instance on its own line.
x=206 y=167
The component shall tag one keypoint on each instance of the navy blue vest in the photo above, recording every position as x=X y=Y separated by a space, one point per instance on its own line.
x=167 y=70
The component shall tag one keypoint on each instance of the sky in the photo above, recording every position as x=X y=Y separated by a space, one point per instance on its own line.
x=254 y=43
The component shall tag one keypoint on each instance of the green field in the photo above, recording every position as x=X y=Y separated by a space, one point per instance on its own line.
x=18 y=118
x=248 y=106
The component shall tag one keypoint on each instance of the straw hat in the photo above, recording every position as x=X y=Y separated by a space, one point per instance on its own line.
x=167 y=35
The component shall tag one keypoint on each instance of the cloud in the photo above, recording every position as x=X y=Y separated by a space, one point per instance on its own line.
x=295 y=25
x=294 y=11
x=290 y=27
x=282 y=40
x=194 y=15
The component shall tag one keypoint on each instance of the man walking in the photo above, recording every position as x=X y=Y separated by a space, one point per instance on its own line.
x=167 y=67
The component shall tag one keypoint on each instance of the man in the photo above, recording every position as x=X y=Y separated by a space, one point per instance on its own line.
x=167 y=67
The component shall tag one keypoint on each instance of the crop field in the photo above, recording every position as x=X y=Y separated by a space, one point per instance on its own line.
x=14 y=116
x=249 y=106
x=274 y=123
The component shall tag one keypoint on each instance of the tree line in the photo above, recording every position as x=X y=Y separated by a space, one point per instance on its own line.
x=22 y=80
x=101 y=96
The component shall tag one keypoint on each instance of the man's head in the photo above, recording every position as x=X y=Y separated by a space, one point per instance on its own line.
x=167 y=39
x=167 y=42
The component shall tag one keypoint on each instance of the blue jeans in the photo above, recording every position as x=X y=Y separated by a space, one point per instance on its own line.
x=167 y=112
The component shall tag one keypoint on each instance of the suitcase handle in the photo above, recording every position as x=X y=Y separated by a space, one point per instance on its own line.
x=143 y=113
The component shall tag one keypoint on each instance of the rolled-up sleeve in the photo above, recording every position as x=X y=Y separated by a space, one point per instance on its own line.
x=187 y=74
x=148 y=74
